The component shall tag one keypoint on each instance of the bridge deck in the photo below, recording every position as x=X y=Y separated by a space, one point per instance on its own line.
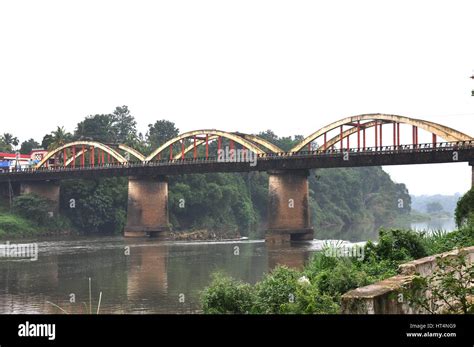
x=403 y=155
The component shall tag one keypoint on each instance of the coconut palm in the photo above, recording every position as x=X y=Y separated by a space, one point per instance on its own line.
x=59 y=137
x=8 y=141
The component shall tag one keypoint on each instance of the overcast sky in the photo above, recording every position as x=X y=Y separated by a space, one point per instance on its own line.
x=290 y=66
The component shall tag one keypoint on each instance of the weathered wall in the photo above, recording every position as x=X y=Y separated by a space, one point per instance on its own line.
x=147 y=211
x=382 y=297
x=288 y=206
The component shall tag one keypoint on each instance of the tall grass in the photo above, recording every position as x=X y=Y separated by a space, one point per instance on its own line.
x=13 y=225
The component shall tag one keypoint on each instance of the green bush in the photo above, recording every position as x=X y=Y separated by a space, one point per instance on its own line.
x=279 y=292
x=342 y=278
x=397 y=245
x=226 y=295
x=465 y=208
x=309 y=300
x=14 y=225
x=33 y=207
x=100 y=205
x=442 y=241
x=277 y=288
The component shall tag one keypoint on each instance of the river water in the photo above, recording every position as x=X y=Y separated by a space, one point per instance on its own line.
x=135 y=275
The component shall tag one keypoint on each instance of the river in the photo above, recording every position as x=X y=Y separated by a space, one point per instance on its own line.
x=138 y=275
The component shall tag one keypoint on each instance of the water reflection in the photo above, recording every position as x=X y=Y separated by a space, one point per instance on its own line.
x=294 y=255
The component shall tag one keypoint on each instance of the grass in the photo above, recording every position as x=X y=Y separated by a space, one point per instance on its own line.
x=13 y=225
x=97 y=311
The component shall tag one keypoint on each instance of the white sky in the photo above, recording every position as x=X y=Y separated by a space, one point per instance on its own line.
x=291 y=66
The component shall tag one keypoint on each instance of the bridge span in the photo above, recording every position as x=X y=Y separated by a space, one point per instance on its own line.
x=350 y=142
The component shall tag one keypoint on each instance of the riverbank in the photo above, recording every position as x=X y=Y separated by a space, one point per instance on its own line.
x=13 y=226
x=318 y=287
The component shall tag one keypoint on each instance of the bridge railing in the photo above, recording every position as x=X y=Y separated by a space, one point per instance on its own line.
x=330 y=152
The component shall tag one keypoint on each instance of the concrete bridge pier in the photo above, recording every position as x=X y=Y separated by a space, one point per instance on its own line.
x=288 y=206
x=46 y=189
x=147 y=211
x=471 y=164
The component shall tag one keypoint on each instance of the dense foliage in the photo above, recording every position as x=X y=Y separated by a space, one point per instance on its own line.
x=95 y=205
x=465 y=208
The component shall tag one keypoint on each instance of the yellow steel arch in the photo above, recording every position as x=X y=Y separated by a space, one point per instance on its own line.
x=210 y=132
x=103 y=147
x=262 y=142
x=132 y=151
x=442 y=131
x=78 y=155
x=258 y=140
x=188 y=149
x=351 y=131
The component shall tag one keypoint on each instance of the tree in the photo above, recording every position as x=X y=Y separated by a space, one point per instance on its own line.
x=8 y=142
x=33 y=207
x=285 y=143
x=47 y=140
x=97 y=128
x=434 y=207
x=28 y=146
x=160 y=132
x=464 y=208
x=118 y=127
x=100 y=205
x=56 y=138
x=124 y=125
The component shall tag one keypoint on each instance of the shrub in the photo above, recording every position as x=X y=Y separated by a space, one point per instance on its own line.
x=397 y=245
x=226 y=295
x=14 y=225
x=309 y=300
x=344 y=277
x=33 y=207
x=277 y=288
x=465 y=208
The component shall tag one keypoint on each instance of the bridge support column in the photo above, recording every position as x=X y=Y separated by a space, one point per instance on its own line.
x=288 y=206
x=46 y=189
x=147 y=212
x=471 y=164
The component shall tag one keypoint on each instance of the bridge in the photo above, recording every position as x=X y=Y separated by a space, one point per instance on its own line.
x=349 y=142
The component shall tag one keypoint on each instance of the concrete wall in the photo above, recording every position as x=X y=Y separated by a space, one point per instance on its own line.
x=288 y=206
x=383 y=297
x=147 y=211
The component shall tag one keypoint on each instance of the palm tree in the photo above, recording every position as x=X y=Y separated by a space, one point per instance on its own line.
x=9 y=141
x=59 y=137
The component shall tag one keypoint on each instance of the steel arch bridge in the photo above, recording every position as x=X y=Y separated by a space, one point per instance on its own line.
x=350 y=133
x=359 y=124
